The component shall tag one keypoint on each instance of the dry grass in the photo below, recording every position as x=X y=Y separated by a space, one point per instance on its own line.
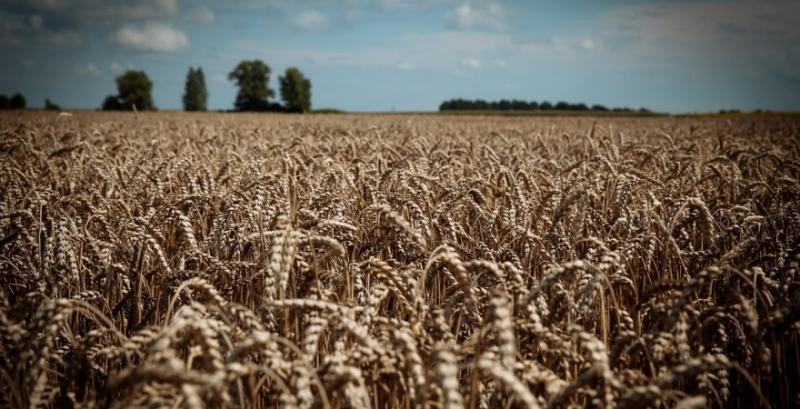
x=173 y=260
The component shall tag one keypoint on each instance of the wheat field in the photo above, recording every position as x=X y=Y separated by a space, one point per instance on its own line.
x=398 y=261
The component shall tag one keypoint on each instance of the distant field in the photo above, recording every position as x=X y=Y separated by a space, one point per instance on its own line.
x=396 y=261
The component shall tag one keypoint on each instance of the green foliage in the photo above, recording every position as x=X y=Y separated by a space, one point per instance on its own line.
x=195 y=96
x=295 y=91
x=17 y=101
x=252 y=78
x=112 y=103
x=50 y=105
x=5 y=103
x=135 y=90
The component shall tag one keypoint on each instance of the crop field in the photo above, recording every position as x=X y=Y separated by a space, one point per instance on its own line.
x=398 y=261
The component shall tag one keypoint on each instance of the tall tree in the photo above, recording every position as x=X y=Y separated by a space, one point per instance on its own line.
x=252 y=78
x=135 y=90
x=17 y=101
x=295 y=90
x=5 y=103
x=195 y=96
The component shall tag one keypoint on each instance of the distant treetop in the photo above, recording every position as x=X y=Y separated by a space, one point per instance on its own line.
x=195 y=96
x=134 y=91
x=18 y=101
x=295 y=91
x=460 y=104
x=252 y=78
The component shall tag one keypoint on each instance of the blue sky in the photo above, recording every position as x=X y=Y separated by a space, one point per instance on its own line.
x=382 y=55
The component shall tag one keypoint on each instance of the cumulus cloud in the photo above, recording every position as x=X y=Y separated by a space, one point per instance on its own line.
x=37 y=22
x=202 y=15
x=590 y=44
x=152 y=36
x=442 y=50
x=311 y=20
x=89 y=70
x=116 y=67
x=501 y=63
x=473 y=63
x=479 y=15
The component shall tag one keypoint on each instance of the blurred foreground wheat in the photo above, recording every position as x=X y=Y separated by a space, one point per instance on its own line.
x=172 y=260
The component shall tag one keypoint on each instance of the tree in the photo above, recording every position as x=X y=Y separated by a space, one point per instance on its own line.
x=195 y=95
x=295 y=91
x=111 y=103
x=17 y=101
x=5 y=103
x=252 y=78
x=50 y=105
x=135 y=90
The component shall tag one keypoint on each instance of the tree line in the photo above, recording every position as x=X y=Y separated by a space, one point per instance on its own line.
x=460 y=104
x=16 y=101
x=134 y=90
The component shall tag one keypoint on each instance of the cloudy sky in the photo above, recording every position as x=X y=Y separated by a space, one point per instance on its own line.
x=380 y=55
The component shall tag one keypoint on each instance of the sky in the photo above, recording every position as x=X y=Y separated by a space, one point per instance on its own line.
x=410 y=55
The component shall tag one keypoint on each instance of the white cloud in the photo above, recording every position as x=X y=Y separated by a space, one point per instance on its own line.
x=479 y=15
x=405 y=66
x=37 y=22
x=499 y=62
x=702 y=27
x=590 y=44
x=201 y=14
x=116 y=67
x=88 y=70
x=442 y=50
x=152 y=36
x=311 y=20
x=473 y=63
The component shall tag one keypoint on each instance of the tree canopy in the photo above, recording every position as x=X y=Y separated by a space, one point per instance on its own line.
x=295 y=91
x=134 y=90
x=111 y=103
x=195 y=96
x=5 y=102
x=252 y=78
